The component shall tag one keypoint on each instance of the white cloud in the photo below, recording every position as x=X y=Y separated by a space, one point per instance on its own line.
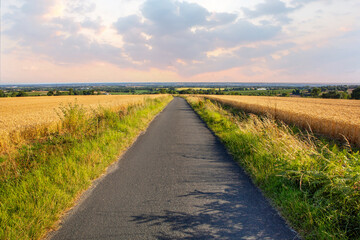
x=180 y=30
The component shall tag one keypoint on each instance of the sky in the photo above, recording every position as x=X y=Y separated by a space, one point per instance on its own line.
x=285 y=41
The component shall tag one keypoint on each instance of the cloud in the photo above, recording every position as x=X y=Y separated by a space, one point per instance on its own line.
x=165 y=34
x=243 y=56
x=59 y=38
x=275 y=8
x=262 y=50
x=167 y=31
x=218 y=19
x=243 y=31
x=172 y=16
x=95 y=25
x=125 y=24
x=340 y=56
x=81 y=7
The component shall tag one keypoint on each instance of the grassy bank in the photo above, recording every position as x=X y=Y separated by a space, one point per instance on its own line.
x=315 y=186
x=44 y=178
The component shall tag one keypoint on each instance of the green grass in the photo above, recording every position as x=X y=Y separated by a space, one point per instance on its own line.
x=316 y=186
x=44 y=178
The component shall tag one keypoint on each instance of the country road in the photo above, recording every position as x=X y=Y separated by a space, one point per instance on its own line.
x=176 y=182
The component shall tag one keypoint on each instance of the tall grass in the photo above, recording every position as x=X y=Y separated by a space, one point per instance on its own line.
x=43 y=178
x=314 y=185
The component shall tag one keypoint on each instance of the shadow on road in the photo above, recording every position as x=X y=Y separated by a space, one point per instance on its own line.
x=224 y=215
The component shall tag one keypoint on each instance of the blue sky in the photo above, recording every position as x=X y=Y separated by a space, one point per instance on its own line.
x=308 y=41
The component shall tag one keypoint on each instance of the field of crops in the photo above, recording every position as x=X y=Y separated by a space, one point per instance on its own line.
x=29 y=115
x=17 y=113
x=333 y=117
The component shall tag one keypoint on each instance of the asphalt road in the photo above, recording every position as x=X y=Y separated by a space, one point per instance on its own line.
x=176 y=182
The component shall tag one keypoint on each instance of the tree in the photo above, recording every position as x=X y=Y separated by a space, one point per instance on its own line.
x=21 y=94
x=296 y=92
x=332 y=94
x=71 y=91
x=2 y=94
x=315 y=92
x=344 y=95
x=356 y=93
x=50 y=93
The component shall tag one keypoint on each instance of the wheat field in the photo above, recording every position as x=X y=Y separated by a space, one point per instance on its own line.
x=17 y=113
x=336 y=118
x=29 y=115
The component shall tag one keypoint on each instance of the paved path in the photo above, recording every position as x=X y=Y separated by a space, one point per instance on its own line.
x=176 y=182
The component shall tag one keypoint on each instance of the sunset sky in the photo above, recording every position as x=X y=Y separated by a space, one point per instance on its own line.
x=68 y=41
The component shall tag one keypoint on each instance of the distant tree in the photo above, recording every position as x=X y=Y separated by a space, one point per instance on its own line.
x=344 y=95
x=21 y=94
x=71 y=91
x=331 y=94
x=315 y=92
x=296 y=91
x=2 y=93
x=50 y=93
x=285 y=94
x=356 y=93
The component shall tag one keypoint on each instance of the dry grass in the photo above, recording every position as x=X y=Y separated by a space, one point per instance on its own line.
x=336 y=118
x=23 y=119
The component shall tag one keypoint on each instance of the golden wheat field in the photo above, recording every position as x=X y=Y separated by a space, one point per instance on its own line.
x=333 y=117
x=19 y=113
x=23 y=119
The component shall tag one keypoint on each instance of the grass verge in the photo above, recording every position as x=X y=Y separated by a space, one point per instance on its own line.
x=44 y=178
x=316 y=187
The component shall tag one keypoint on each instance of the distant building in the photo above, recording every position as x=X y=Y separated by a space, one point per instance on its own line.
x=259 y=89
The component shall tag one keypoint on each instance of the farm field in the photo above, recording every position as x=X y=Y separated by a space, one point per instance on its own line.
x=333 y=117
x=19 y=113
x=24 y=119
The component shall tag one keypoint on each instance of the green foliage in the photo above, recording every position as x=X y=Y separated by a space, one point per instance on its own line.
x=21 y=94
x=335 y=95
x=316 y=187
x=315 y=92
x=356 y=93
